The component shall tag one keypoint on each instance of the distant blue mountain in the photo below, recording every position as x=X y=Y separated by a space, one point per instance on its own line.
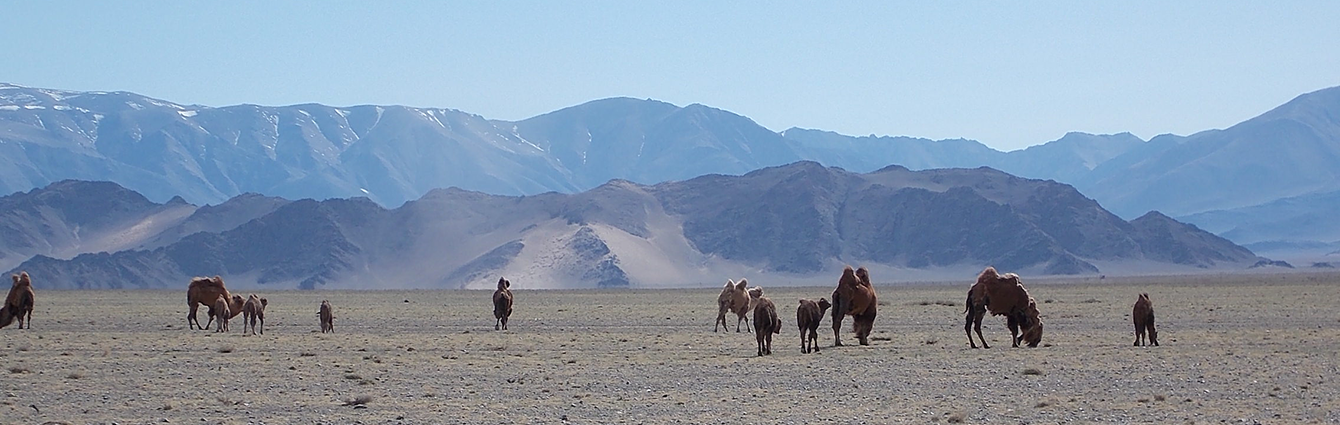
x=392 y=154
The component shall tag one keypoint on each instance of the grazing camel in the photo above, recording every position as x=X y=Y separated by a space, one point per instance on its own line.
x=252 y=309
x=1143 y=315
x=204 y=291
x=19 y=302
x=502 y=303
x=735 y=298
x=222 y=312
x=766 y=323
x=808 y=316
x=1002 y=295
x=854 y=296
x=327 y=315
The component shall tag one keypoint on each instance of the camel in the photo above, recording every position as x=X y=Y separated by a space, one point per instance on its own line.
x=1143 y=316
x=327 y=315
x=854 y=296
x=808 y=316
x=1003 y=295
x=766 y=323
x=735 y=298
x=223 y=312
x=252 y=309
x=502 y=303
x=19 y=302
x=203 y=291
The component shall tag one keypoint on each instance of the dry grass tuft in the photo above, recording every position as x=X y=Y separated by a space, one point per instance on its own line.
x=225 y=349
x=17 y=369
x=74 y=375
x=956 y=417
x=1032 y=371
x=358 y=401
x=1160 y=398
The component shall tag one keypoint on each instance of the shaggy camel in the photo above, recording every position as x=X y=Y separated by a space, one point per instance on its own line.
x=1143 y=315
x=766 y=323
x=223 y=313
x=502 y=303
x=19 y=303
x=854 y=296
x=735 y=298
x=252 y=309
x=808 y=316
x=1002 y=295
x=204 y=291
x=327 y=315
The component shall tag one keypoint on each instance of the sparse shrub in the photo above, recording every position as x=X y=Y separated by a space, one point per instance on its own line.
x=1042 y=404
x=956 y=417
x=352 y=376
x=358 y=401
x=306 y=354
x=225 y=349
x=74 y=375
x=17 y=369
x=1032 y=371
x=1091 y=301
x=1159 y=398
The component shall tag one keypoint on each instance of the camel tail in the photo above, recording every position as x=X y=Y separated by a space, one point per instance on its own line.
x=6 y=317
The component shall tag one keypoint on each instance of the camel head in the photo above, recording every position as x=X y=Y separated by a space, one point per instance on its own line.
x=823 y=306
x=1033 y=330
x=756 y=292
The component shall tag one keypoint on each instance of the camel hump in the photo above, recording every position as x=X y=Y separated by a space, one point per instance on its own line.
x=741 y=284
x=23 y=277
x=729 y=284
x=503 y=283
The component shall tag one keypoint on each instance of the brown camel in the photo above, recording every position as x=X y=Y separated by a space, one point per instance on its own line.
x=1002 y=295
x=253 y=309
x=19 y=302
x=854 y=296
x=1143 y=315
x=327 y=315
x=808 y=316
x=502 y=303
x=735 y=298
x=766 y=323
x=204 y=291
x=223 y=312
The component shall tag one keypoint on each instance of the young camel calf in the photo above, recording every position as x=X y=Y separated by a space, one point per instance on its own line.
x=808 y=316
x=766 y=323
x=222 y=313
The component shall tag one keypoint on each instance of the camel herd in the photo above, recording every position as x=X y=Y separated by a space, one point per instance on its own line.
x=999 y=294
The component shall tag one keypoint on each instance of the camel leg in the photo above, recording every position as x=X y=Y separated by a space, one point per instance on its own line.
x=967 y=326
x=262 y=325
x=190 y=316
x=497 y=323
x=1013 y=323
x=767 y=347
x=977 y=326
x=804 y=341
x=504 y=321
x=1153 y=334
x=1138 y=333
x=721 y=320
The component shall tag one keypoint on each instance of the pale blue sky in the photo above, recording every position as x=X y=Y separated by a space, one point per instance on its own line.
x=1007 y=75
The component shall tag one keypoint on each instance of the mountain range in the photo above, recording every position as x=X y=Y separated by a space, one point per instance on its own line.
x=1268 y=180
x=797 y=223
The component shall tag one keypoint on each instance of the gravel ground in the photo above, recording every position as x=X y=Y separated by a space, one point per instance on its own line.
x=1239 y=349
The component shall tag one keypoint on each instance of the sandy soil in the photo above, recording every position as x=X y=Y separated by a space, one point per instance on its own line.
x=1237 y=349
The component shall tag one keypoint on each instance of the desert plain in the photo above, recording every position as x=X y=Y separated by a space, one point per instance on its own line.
x=1243 y=348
